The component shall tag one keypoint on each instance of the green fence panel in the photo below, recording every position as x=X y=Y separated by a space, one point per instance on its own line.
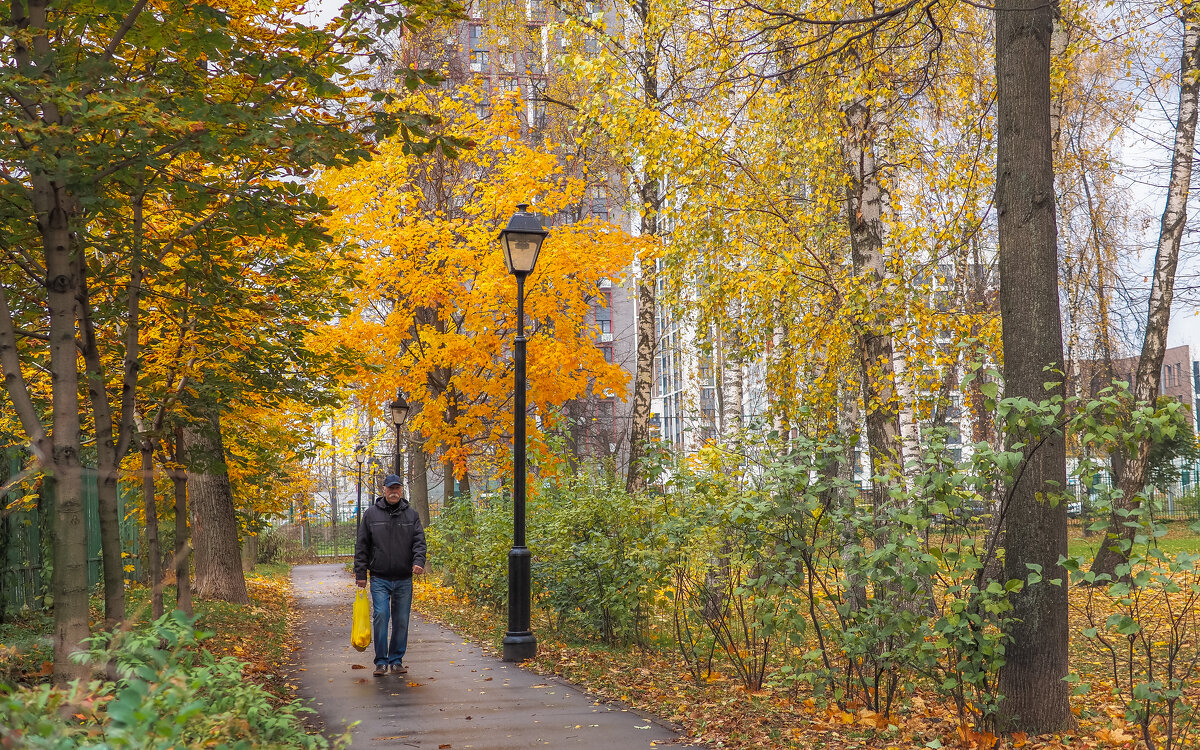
x=22 y=572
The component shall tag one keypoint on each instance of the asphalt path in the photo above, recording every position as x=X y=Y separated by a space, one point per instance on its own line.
x=454 y=696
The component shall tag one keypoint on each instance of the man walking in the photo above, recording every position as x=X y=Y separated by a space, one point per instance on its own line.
x=391 y=546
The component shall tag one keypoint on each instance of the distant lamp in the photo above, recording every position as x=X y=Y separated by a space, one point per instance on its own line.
x=360 y=458
x=399 y=409
x=521 y=240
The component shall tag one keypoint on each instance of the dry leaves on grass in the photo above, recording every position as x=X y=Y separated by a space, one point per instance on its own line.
x=720 y=713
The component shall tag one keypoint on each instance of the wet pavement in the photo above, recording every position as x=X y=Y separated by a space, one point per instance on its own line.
x=454 y=696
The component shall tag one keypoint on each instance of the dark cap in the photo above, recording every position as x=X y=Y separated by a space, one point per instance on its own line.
x=391 y=480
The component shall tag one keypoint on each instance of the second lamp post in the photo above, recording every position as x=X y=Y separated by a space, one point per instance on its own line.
x=360 y=458
x=520 y=240
x=399 y=409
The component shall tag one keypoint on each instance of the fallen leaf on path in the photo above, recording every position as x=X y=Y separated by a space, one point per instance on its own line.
x=357 y=666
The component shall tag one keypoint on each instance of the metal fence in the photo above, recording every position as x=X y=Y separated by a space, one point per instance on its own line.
x=25 y=540
x=299 y=540
x=1177 y=501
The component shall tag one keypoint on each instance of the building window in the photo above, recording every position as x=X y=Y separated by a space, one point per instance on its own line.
x=537 y=10
x=603 y=310
x=708 y=407
x=479 y=52
x=510 y=85
x=705 y=372
x=606 y=351
x=601 y=428
x=599 y=202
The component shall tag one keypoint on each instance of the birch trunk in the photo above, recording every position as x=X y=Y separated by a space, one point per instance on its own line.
x=333 y=476
x=647 y=330
x=1162 y=290
x=910 y=436
x=849 y=419
x=731 y=388
x=864 y=211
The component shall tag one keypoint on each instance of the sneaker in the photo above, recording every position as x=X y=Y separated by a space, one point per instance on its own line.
x=380 y=669
x=399 y=669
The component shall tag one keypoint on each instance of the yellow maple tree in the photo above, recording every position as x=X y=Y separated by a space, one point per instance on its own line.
x=436 y=308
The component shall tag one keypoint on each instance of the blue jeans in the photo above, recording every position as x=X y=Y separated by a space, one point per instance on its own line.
x=390 y=600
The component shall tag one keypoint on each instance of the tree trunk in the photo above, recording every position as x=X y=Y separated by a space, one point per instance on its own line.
x=419 y=481
x=864 y=211
x=849 y=420
x=69 y=579
x=647 y=333
x=54 y=209
x=643 y=385
x=333 y=481
x=183 y=580
x=107 y=461
x=112 y=438
x=1035 y=529
x=731 y=384
x=214 y=520
x=447 y=484
x=1162 y=290
x=906 y=412
x=249 y=552
x=153 y=553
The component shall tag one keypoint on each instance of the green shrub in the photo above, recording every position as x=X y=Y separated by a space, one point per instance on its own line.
x=600 y=557
x=168 y=694
x=471 y=544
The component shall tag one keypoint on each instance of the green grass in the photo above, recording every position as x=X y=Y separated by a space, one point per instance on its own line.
x=1179 y=538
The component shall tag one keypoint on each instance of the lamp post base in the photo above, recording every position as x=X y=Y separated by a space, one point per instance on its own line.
x=519 y=646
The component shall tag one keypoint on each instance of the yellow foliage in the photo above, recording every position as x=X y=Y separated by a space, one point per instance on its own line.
x=436 y=310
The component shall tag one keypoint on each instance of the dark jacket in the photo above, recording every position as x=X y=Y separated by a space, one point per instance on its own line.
x=390 y=541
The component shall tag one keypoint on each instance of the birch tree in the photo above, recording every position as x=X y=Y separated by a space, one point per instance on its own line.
x=1147 y=381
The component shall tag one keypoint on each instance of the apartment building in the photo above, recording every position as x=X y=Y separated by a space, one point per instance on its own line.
x=1178 y=379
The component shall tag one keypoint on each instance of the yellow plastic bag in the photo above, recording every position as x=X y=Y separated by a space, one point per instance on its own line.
x=360 y=633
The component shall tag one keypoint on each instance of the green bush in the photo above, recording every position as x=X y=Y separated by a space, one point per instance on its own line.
x=600 y=557
x=471 y=544
x=168 y=694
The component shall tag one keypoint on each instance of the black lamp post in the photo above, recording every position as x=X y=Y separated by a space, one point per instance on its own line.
x=399 y=409
x=360 y=457
x=520 y=240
